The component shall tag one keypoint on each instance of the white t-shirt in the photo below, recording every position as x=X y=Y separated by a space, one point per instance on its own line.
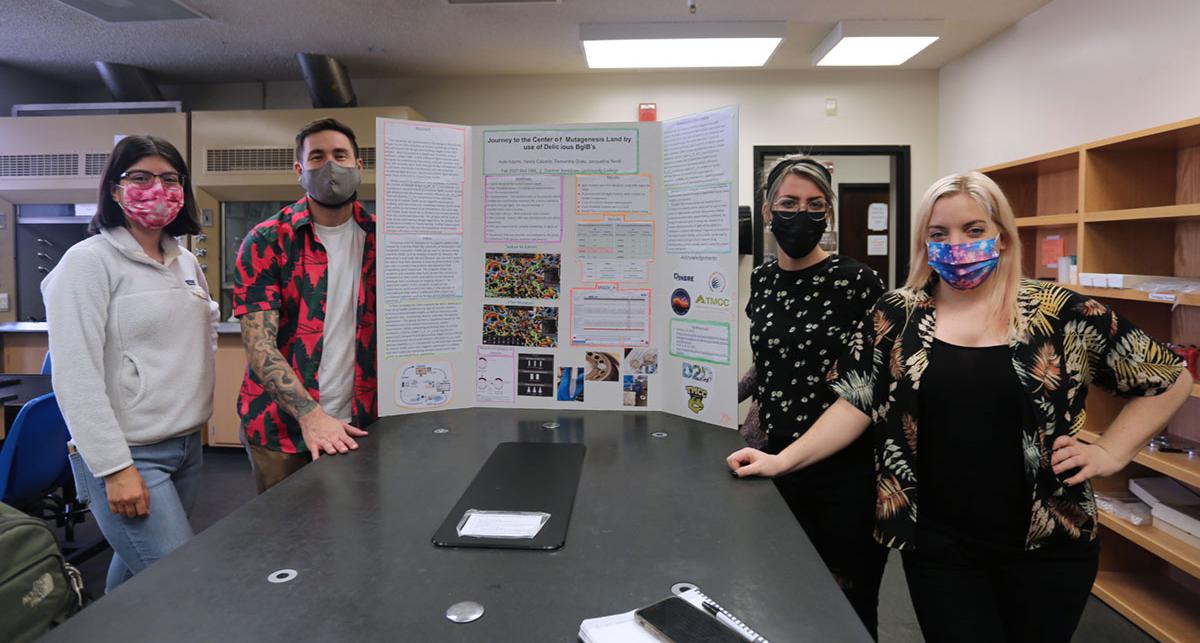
x=335 y=375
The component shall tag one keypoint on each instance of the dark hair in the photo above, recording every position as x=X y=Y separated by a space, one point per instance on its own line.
x=323 y=125
x=129 y=151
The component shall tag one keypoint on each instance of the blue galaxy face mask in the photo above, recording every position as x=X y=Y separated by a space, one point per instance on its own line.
x=964 y=266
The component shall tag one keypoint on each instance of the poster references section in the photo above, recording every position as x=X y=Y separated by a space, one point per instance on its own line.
x=423 y=168
x=523 y=209
x=614 y=193
x=700 y=220
x=561 y=151
x=610 y=317
x=700 y=149
x=440 y=329
x=700 y=341
x=422 y=267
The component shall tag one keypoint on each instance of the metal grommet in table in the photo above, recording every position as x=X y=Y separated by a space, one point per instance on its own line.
x=441 y=430
x=679 y=588
x=464 y=612
x=282 y=576
x=658 y=434
x=550 y=425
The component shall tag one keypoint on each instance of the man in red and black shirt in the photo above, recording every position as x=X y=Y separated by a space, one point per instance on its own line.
x=304 y=290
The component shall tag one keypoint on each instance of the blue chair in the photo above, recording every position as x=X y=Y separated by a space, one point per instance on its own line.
x=46 y=364
x=33 y=461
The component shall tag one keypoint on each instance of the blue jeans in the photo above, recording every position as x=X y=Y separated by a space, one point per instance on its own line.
x=171 y=471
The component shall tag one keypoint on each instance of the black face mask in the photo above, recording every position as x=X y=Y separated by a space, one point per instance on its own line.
x=796 y=236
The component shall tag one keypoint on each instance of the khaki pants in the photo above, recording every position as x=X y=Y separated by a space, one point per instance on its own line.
x=271 y=467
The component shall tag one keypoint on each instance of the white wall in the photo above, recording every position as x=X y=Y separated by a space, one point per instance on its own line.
x=1070 y=73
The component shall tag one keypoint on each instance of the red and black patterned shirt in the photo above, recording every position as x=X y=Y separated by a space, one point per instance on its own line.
x=283 y=266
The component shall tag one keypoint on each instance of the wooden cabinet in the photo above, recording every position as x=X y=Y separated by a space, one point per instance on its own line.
x=230 y=369
x=1131 y=205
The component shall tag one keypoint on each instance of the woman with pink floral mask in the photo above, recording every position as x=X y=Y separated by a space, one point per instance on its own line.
x=973 y=382
x=132 y=335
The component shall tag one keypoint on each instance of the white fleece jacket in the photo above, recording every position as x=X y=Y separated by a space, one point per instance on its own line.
x=132 y=343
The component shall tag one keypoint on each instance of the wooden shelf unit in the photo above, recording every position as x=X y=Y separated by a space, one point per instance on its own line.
x=1129 y=204
x=1159 y=606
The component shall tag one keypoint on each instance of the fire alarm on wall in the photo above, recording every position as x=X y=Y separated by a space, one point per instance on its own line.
x=647 y=111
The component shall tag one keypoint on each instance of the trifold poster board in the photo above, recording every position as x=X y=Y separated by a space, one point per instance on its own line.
x=585 y=266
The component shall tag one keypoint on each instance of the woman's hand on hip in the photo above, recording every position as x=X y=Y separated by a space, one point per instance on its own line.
x=127 y=493
x=1090 y=460
x=752 y=462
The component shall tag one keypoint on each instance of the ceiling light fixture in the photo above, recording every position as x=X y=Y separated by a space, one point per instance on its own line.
x=671 y=45
x=870 y=43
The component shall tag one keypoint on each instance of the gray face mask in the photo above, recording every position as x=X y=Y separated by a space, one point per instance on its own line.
x=331 y=185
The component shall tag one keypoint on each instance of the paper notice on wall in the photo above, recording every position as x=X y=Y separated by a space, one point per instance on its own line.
x=877 y=245
x=610 y=317
x=561 y=151
x=422 y=329
x=877 y=216
x=615 y=193
x=423 y=267
x=523 y=209
x=495 y=375
x=700 y=219
x=700 y=340
x=700 y=149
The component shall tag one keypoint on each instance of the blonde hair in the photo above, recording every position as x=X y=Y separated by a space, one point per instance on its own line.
x=1006 y=280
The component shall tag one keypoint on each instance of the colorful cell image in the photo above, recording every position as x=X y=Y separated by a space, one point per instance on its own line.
x=521 y=276
x=531 y=326
x=570 y=384
x=637 y=390
x=603 y=367
x=641 y=361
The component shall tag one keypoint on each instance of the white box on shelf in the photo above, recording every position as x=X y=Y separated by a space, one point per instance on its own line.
x=1184 y=518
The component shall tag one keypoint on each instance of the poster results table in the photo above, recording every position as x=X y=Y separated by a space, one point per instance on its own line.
x=650 y=512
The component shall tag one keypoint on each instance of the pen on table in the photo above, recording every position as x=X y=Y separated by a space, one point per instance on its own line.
x=715 y=612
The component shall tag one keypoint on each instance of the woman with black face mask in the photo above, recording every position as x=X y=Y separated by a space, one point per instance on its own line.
x=802 y=308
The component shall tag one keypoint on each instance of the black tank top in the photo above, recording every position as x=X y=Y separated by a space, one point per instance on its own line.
x=970 y=465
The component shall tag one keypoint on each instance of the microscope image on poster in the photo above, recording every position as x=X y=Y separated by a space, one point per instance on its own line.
x=521 y=276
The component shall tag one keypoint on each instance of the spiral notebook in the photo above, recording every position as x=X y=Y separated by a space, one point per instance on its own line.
x=624 y=628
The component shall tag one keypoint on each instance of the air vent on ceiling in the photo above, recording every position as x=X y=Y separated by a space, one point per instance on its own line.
x=93 y=164
x=36 y=165
x=134 y=10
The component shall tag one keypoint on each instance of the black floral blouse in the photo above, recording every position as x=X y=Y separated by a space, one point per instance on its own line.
x=1068 y=342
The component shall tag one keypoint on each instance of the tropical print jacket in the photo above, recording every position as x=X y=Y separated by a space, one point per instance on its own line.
x=283 y=266
x=1068 y=341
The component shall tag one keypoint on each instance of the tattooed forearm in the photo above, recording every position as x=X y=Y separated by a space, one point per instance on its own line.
x=260 y=331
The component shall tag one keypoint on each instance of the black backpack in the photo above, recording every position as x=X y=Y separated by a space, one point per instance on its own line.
x=38 y=588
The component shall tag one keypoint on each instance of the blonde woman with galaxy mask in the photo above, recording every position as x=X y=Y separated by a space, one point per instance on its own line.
x=994 y=370
x=132 y=335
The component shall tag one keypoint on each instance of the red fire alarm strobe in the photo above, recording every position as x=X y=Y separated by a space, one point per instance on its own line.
x=647 y=111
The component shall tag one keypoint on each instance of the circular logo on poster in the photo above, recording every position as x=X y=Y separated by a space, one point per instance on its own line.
x=681 y=301
x=716 y=282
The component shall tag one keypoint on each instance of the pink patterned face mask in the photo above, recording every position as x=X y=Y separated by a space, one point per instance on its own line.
x=152 y=207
